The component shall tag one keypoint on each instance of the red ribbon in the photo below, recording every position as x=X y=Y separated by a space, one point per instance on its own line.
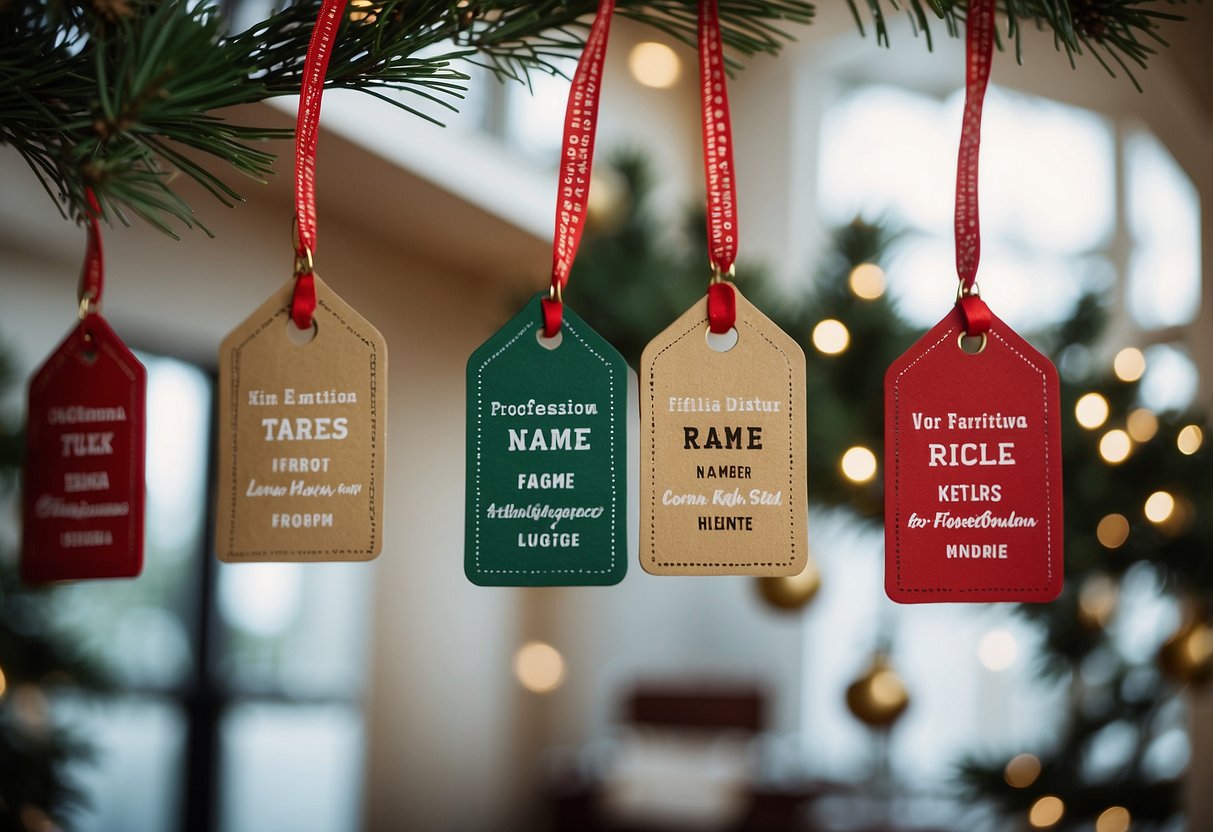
x=307 y=132
x=979 y=51
x=92 y=275
x=718 y=167
x=576 y=162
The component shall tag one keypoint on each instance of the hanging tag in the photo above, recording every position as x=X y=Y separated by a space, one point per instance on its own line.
x=302 y=434
x=83 y=494
x=973 y=493
x=722 y=478
x=546 y=457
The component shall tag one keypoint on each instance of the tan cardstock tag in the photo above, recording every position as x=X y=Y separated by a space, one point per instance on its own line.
x=301 y=435
x=722 y=477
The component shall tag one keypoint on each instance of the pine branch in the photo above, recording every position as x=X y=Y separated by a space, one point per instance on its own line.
x=120 y=95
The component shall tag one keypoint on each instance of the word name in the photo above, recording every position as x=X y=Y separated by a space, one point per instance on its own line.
x=302 y=428
x=732 y=439
x=555 y=439
x=969 y=454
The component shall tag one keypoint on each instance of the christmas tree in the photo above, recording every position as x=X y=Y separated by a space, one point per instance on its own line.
x=122 y=95
x=1133 y=480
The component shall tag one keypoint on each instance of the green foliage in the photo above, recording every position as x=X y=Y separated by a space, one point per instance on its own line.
x=122 y=95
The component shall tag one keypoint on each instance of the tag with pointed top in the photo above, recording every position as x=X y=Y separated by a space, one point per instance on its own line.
x=546 y=456
x=302 y=433
x=722 y=476
x=973 y=489
x=84 y=465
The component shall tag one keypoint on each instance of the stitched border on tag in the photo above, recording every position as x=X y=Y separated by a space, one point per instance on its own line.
x=571 y=328
x=1044 y=386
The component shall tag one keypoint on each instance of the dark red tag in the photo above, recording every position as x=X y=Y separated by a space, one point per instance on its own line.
x=83 y=496
x=973 y=495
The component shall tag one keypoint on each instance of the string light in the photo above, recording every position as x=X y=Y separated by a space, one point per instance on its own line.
x=539 y=667
x=1142 y=424
x=1091 y=411
x=858 y=464
x=1113 y=819
x=1113 y=531
x=364 y=11
x=831 y=336
x=1046 y=812
x=1159 y=506
x=1129 y=364
x=867 y=281
x=654 y=65
x=3 y=683
x=1022 y=771
x=1114 y=446
x=1189 y=440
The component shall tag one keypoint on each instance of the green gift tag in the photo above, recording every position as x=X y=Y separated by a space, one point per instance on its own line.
x=546 y=456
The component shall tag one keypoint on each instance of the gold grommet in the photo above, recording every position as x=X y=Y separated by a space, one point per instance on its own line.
x=556 y=292
x=974 y=290
x=86 y=305
x=960 y=343
x=304 y=263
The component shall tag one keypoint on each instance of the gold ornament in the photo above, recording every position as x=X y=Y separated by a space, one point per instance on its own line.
x=791 y=592
x=878 y=697
x=1187 y=656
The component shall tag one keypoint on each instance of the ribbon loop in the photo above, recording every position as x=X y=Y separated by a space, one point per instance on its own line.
x=92 y=274
x=307 y=133
x=577 y=161
x=718 y=167
x=979 y=49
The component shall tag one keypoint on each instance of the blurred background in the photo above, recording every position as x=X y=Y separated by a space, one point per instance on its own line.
x=395 y=695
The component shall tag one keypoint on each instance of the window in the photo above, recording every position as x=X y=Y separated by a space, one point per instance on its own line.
x=239 y=686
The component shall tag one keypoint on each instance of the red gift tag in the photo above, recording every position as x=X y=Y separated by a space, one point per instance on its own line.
x=973 y=494
x=83 y=496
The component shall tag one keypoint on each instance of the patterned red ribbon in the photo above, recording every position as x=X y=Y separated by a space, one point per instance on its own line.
x=576 y=162
x=979 y=51
x=718 y=165
x=307 y=132
x=92 y=275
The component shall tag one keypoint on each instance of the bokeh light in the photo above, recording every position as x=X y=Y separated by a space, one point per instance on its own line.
x=1113 y=530
x=1129 y=364
x=831 y=336
x=1142 y=424
x=539 y=667
x=1022 y=771
x=1046 y=812
x=858 y=464
x=1113 y=819
x=1159 y=506
x=1190 y=439
x=1114 y=446
x=1091 y=410
x=867 y=281
x=654 y=65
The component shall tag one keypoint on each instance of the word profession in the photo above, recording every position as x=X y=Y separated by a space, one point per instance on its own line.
x=534 y=408
x=290 y=396
x=731 y=404
x=733 y=439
